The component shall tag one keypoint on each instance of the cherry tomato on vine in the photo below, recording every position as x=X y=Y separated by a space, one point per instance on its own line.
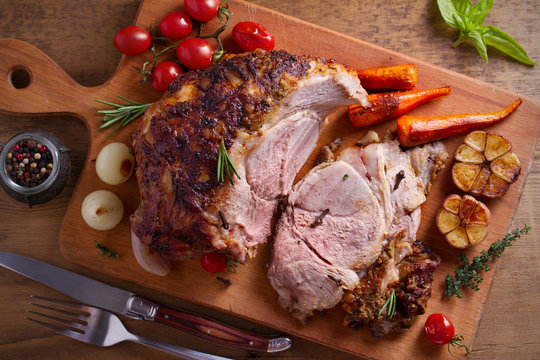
x=214 y=262
x=177 y=25
x=440 y=330
x=250 y=36
x=202 y=10
x=132 y=40
x=195 y=53
x=164 y=73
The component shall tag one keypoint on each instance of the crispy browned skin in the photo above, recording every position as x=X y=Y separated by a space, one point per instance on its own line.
x=176 y=144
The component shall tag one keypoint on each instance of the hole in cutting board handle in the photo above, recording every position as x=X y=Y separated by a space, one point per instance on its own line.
x=20 y=77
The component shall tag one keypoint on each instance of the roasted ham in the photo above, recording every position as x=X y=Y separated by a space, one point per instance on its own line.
x=370 y=197
x=268 y=108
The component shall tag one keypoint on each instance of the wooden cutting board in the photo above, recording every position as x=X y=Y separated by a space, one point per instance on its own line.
x=51 y=91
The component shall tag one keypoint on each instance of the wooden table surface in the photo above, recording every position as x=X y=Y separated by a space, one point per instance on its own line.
x=78 y=36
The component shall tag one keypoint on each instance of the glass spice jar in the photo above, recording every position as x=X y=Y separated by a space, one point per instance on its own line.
x=34 y=167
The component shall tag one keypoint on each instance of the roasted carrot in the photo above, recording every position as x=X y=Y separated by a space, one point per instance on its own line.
x=399 y=77
x=417 y=130
x=390 y=105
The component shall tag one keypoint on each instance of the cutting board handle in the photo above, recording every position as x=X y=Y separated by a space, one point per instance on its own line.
x=33 y=84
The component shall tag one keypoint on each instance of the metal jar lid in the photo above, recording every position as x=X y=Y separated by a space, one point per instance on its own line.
x=56 y=181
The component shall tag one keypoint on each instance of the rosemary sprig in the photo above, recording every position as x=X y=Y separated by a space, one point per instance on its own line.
x=389 y=305
x=104 y=250
x=122 y=114
x=225 y=164
x=468 y=273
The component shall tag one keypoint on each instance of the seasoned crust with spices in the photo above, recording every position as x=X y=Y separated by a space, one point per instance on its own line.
x=237 y=101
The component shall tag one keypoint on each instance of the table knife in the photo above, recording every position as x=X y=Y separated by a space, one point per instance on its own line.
x=107 y=297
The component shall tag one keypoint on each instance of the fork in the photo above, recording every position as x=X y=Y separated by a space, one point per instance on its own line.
x=100 y=327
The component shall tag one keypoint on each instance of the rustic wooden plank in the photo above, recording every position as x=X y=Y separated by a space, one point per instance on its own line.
x=378 y=23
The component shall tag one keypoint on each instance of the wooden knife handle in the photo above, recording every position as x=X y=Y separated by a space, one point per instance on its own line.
x=219 y=332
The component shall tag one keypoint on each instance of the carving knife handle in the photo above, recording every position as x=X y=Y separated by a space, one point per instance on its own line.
x=218 y=332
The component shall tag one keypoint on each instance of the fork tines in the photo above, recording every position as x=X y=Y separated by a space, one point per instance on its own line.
x=73 y=322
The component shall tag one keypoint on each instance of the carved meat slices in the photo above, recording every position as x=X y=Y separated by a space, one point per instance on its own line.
x=267 y=108
x=369 y=195
x=313 y=263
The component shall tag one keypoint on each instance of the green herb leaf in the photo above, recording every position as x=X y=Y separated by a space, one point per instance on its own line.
x=468 y=18
x=225 y=164
x=122 y=114
x=104 y=250
x=468 y=273
x=479 y=44
x=479 y=11
x=389 y=305
x=500 y=40
x=231 y=264
x=449 y=12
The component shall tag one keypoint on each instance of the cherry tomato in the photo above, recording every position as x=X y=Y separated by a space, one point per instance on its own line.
x=214 y=262
x=132 y=40
x=250 y=36
x=164 y=73
x=439 y=329
x=195 y=53
x=202 y=10
x=177 y=25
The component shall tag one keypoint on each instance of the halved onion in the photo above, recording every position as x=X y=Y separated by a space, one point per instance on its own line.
x=151 y=262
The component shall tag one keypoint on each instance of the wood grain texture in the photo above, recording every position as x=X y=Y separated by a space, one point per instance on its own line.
x=422 y=34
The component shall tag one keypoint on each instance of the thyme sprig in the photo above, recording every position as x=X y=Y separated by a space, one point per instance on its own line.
x=225 y=164
x=389 y=305
x=104 y=250
x=122 y=114
x=231 y=264
x=468 y=273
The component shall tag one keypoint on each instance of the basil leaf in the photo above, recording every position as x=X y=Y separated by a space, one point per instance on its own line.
x=448 y=12
x=479 y=43
x=463 y=7
x=497 y=38
x=479 y=11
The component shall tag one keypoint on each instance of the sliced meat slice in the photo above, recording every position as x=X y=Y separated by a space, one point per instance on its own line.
x=333 y=227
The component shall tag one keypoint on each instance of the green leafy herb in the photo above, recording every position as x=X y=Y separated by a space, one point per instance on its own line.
x=468 y=18
x=389 y=306
x=468 y=273
x=345 y=177
x=231 y=264
x=104 y=250
x=457 y=341
x=122 y=114
x=225 y=164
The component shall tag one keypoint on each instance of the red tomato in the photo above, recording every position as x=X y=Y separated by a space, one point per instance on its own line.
x=202 y=10
x=195 y=53
x=177 y=25
x=214 y=262
x=132 y=40
x=439 y=329
x=250 y=36
x=164 y=73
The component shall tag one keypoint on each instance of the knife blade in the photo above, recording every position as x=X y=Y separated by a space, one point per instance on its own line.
x=120 y=301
